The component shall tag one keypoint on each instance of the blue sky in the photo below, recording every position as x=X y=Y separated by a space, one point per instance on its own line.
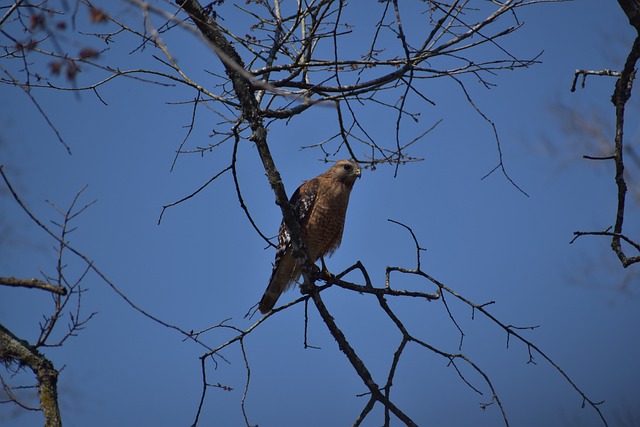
x=204 y=263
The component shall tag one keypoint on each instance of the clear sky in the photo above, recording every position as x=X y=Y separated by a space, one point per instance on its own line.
x=204 y=263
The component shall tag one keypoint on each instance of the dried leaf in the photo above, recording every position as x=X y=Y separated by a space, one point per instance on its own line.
x=72 y=70
x=55 y=67
x=97 y=16
x=37 y=21
x=88 y=52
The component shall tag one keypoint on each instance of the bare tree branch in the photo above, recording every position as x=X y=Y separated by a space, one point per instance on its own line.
x=355 y=361
x=32 y=283
x=585 y=73
x=13 y=349
x=244 y=91
x=621 y=95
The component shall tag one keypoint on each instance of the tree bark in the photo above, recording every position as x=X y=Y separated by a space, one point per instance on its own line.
x=631 y=8
x=13 y=349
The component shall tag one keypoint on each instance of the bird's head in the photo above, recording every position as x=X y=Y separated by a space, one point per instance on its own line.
x=346 y=171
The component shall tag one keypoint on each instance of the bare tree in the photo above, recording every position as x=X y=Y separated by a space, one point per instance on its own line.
x=621 y=244
x=277 y=61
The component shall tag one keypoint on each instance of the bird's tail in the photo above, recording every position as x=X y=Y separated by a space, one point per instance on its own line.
x=285 y=273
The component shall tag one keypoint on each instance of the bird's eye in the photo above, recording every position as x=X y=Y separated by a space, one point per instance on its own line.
x=347 y=167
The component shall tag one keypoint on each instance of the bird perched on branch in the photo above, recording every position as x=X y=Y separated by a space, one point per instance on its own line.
x=320 y=207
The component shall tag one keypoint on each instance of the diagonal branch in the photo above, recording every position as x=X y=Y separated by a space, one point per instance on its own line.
x=251 y=113
x=13 y=349
x=355 y=361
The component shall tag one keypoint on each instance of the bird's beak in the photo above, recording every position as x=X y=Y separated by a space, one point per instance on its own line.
x=358 y=172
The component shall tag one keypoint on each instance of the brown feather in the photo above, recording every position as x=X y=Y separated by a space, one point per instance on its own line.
x=320 y=205
x=283 y=277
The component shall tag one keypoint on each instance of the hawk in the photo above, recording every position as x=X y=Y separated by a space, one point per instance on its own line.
x=320 y=207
